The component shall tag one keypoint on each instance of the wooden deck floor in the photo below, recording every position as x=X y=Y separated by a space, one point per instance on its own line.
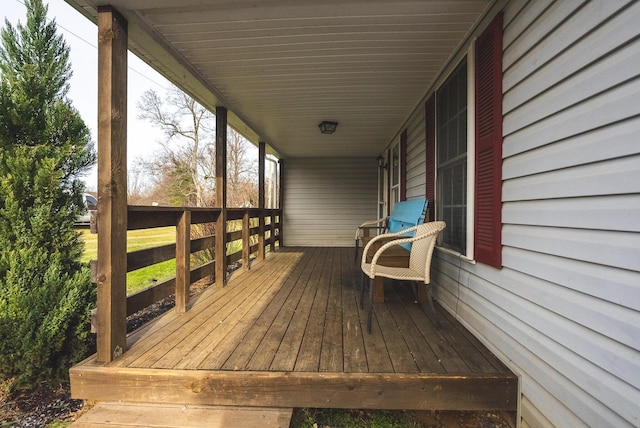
x=290 y=333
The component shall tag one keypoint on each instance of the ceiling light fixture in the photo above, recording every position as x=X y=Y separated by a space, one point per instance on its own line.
x=327 y=127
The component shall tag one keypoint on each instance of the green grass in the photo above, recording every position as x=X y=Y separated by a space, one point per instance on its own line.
x=138 y=240
x=342 y=418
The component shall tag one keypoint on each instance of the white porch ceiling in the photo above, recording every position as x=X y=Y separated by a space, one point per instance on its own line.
x=282 y=66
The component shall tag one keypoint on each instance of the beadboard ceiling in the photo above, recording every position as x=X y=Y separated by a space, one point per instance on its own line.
x=282 y=66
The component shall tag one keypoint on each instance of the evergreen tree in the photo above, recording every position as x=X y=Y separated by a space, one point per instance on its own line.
x=45 y=292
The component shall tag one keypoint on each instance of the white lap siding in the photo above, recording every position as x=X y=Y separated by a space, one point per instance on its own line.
x=326 y=199
x=564 y=311
x=416 y=155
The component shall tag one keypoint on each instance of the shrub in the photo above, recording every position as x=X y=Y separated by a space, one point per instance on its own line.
x=45 y=292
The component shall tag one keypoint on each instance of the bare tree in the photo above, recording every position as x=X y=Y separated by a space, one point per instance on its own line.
x=188 y=157
x=184 y=172
x=137 y=185
x=242 y=175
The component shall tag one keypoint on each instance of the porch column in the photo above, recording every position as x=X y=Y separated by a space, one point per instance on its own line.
x=261 y=170
x=183 y=261
x=281 y=199
x=221 y=195
x=112 y=184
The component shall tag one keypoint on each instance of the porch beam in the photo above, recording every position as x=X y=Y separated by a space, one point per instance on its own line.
x=417 y=391
x=221 y=195
x=112 y=184
x=261 y=197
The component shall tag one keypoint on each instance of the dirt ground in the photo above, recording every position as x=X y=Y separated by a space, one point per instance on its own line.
x=38 y=407
x=451 y=419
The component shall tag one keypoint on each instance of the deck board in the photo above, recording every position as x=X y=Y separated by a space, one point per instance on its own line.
x=290 y=345
x=443 y=350
x=331 y=356
x=292 y=325
x=355 y=356
x=300 y=297
x=309 y=355
x=420 y=349
x=115 y=415
x=197 y=345
x=254 y=336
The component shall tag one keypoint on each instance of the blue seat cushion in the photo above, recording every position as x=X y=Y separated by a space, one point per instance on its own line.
x=407 y=214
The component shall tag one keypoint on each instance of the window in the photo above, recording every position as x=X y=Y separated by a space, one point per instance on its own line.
x=382 y=189
x=451 y=149
x=392 y=180
x=464 y=175
x=395 y=174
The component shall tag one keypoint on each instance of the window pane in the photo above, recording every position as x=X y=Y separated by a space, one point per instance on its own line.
x=395 y=171
x=454 y=138
x=381 y=174
x=454 y=198
x=442 y=149
x=463 y=133
x=452 y=159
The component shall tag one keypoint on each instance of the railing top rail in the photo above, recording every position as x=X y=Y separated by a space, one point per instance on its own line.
x=146 y=217
x=151 y=208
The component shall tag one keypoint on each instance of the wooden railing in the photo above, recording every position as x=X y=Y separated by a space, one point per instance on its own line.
x=253 y=228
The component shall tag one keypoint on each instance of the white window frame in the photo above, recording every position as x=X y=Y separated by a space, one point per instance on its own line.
x=471 y=132
x=471 y=148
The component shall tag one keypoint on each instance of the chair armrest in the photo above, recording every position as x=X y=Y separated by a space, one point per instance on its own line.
x=391 y=235
x=371 y=224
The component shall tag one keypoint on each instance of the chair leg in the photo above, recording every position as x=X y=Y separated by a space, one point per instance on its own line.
x=414 y=290
x=369 y=316
x=355 y=255
x=362 y=290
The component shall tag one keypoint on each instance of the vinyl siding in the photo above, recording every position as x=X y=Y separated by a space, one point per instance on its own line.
x=416 y=155
x=326 y=200
x=564 y=311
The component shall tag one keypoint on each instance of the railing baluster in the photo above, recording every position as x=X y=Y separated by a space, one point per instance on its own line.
x=261 y=232
x=272 y=228
x=246 y=240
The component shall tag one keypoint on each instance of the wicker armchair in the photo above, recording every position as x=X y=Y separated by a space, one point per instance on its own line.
x=423 y=243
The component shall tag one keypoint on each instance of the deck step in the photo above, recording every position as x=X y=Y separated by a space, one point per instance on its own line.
x=106 y=414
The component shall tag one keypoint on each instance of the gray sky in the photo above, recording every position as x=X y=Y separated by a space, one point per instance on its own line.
x=81 y=35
